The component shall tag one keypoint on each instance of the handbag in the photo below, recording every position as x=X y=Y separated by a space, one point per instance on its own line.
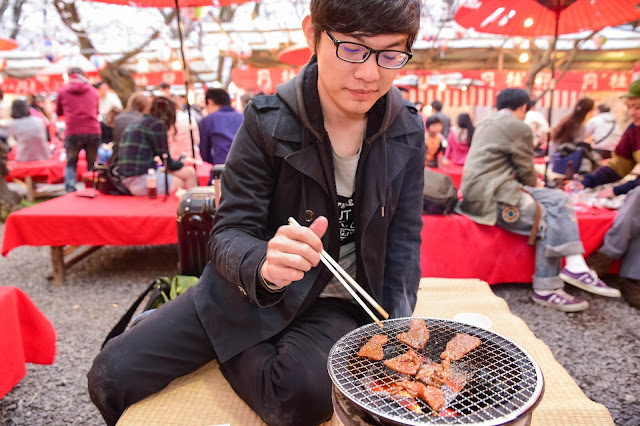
x=107 y=180
x=162 y=290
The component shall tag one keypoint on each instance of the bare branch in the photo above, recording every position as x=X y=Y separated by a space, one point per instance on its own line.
x=17 y=11
x=130 y=54
x=3 y=7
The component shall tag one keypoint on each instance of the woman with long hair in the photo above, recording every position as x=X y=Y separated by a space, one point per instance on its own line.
x=29 y=132
x=146 y=140
x=571 y=128
x=459 y=140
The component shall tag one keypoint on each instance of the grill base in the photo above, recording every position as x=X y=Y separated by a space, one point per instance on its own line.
x=351 y=414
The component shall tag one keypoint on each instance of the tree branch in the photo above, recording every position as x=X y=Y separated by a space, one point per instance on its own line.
x=3 y=7
x=17 y=11
x=130 y=54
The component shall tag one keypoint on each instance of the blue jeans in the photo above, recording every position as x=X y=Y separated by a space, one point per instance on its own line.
x=74 y=144
x=622 y=240
x=558 y=233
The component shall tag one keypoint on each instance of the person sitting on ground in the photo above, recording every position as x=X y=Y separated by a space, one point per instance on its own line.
x=29 y=133
x=145 y=141
x=622 y=240
x=459 y=141
x=499 y=187
x=434 y=141
x=444 y=118
x=604 y=131
x=137 y=105
x=336 y=148
x=571 y=128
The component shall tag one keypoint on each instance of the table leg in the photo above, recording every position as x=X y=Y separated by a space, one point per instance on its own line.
x=31 y=190
x=57 y=262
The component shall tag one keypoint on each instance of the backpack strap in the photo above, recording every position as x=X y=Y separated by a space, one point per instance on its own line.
x=124 y=321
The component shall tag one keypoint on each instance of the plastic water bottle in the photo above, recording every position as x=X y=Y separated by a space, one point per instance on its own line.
x=152 y=183
x=574 y=192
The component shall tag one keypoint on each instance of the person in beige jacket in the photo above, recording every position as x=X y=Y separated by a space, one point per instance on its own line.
x=499 y=187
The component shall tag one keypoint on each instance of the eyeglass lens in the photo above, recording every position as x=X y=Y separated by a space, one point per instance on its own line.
x=352 y=52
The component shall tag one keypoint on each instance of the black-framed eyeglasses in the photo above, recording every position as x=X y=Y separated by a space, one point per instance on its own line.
x=357 y=53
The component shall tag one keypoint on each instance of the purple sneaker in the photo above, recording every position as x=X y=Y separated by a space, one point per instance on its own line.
x=560 y=300
x=588 y=281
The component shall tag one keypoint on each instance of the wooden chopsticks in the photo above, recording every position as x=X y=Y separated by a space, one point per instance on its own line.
x=341 y=275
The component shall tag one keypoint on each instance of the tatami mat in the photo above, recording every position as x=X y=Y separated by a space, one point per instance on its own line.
x=205 y=398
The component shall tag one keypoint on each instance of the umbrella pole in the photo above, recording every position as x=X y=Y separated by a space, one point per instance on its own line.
x=553 y=86
x=186 y=81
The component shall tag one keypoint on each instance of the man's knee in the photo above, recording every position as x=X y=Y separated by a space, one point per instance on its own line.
x=106 y=380
x=299 y=400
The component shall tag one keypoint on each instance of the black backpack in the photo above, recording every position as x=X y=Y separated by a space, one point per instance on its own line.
x=440 y=195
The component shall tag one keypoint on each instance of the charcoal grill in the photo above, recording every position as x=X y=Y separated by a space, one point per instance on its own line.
x=503 y=382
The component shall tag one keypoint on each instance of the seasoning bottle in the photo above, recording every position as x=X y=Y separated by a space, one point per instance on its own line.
x=152 y=183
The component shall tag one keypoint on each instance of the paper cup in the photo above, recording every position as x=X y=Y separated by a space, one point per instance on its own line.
x=472 y=318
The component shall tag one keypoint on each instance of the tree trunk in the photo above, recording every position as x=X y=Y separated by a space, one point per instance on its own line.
x=120 y=80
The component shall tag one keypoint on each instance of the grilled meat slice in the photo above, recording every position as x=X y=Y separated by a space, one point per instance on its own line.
x=417 y=336
x=430 y=394
x=434 y=374
x=373 y=348
x=459 y=346
x=407 y=363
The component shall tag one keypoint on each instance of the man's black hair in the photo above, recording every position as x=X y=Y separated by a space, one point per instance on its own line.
x=98 y=84
x=366 y=18
x=403 y=89
x=431 y=121
x=218 y=97
x=512 y=99
x=603 y=108
x=164 y=85
x=437 y=105
x=76 y=70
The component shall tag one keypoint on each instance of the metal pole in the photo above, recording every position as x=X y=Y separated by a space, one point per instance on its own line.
x=553 y=86
x=186 y=81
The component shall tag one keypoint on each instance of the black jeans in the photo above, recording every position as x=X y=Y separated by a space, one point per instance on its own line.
x=73 y=145
x=284 y=380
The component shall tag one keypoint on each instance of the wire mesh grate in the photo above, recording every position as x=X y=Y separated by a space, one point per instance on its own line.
x=501 y=380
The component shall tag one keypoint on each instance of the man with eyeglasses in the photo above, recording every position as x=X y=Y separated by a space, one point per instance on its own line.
x=338 y=149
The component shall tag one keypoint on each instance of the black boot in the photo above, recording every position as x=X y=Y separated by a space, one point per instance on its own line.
x=631 y=291
x=599 y=262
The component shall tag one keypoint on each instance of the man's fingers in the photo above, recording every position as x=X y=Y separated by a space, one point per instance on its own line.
x=319 y=226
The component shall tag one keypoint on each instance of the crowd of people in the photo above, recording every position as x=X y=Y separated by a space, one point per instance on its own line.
x=321 y=150
x=151 y=132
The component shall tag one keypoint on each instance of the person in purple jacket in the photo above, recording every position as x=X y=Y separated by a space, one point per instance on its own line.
x=622 y=240
x=218 y=128
x=78 y=103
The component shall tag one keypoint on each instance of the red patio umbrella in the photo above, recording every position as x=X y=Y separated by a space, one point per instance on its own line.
x=177 y=4
x=531 y=18
x=8 y=43
x=295 y=55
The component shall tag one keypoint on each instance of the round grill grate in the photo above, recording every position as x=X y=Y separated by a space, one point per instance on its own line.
x=502 y=380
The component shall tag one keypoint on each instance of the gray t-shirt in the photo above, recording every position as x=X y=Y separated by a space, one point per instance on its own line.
x=345 y=174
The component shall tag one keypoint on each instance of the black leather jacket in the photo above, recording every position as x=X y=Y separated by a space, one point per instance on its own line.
x=280 y=165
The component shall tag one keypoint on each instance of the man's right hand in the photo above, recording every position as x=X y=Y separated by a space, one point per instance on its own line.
x=292 y=251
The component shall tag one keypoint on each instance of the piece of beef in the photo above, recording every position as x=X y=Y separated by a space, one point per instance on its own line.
x=417 y=336
x=435 y=374
x=373 y=348
x=407 y=363
x=459 y=346
x=430 y=394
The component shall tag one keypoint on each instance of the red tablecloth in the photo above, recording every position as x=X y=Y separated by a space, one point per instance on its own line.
x=452 y=170
x=51 y=170
x=456 y=247
x=103 y=220
x=26 y=335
